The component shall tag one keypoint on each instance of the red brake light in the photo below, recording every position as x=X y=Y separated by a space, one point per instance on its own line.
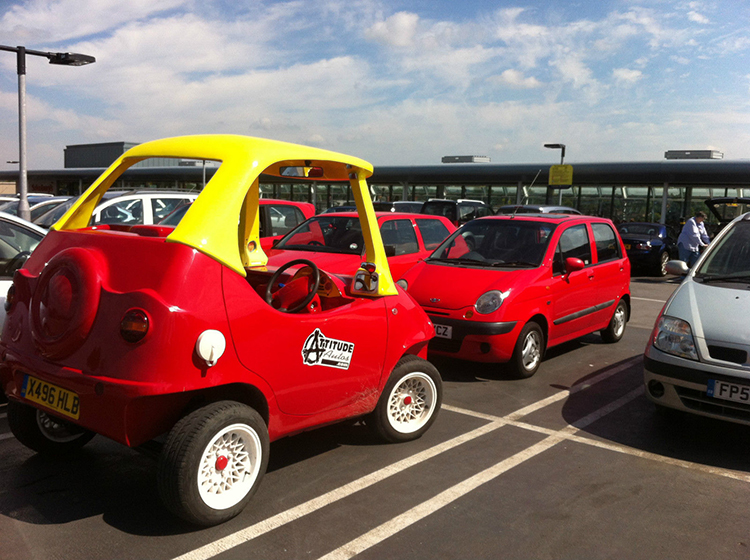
x=10 y=299
x=134 y=325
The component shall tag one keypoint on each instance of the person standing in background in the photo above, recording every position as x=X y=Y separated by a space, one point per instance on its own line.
x=692 y=238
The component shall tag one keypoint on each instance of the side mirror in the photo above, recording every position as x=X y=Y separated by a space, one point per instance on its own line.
x=678 y=268
x=573 y=265
x=390 y=250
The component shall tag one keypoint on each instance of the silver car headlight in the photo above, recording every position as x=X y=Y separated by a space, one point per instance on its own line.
x=674 y=336
x=490 y=302
x=403 y=283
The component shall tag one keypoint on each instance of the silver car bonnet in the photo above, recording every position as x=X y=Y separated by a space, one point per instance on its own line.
x=717 y=313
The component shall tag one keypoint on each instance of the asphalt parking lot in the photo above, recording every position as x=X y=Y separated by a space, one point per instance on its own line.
x=571 y=463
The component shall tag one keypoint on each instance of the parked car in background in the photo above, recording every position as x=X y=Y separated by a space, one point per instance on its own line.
x=536 y=209
x=337 y=242
x=140 y=207
x=649 y=245
x=414 y=206
x=334 y=209
x=277 y=218
x=457 y=211
x=724 y=210
x=18 y=238
x=37 y=205
x=698 y=356
x=507 y=288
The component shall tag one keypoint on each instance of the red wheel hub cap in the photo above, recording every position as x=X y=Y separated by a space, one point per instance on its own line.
x=407 y=400
x=221 y=463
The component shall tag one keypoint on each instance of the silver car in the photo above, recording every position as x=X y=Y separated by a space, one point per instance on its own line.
x=698 y=356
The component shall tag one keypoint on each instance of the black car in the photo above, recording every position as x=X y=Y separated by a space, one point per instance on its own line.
x=649 y=246
x=457 y=211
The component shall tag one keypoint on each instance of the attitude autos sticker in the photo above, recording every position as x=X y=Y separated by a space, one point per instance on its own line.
x=320 y=350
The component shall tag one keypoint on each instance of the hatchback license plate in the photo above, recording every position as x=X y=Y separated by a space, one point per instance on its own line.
x=56 y=398
x=443 y=331
x=728 y=391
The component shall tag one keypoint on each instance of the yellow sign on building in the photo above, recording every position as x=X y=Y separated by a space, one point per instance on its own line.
x=561 y=175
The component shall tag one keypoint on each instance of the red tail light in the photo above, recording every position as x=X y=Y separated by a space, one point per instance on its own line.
x=134 y=325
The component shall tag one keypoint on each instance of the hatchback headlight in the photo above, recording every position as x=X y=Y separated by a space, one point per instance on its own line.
x=403 y=283
x=674 y=336
x=490 y=302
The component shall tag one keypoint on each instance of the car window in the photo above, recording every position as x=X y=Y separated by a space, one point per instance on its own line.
x=283 y=218
x=330 y=233
x=607 y=247
x=400 y=234
x=121 y=212
x=440 y=208
x=731 y=255
x=483 y=211
x=161 y=207
x=466 y=213
x=433 y=232
x=497 y=243
x=574 y=243
x=16 y=244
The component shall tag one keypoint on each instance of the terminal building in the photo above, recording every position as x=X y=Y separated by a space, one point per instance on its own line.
x=665 y=191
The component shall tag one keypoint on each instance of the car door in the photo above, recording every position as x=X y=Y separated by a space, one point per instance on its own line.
x=314 y=361
x=400 y=235
x=572 y=295
x=611 y=272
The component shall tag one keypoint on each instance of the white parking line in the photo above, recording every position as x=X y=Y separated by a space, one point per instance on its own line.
x=649 y=299
x=262 y=527
x=452 y=494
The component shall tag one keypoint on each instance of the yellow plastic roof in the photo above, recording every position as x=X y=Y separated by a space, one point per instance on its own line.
x=211 y=224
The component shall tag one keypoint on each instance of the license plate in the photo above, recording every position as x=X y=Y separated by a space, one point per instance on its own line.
x=627 y=246
x=56 y=398
x=443 y=331
x=728 y=391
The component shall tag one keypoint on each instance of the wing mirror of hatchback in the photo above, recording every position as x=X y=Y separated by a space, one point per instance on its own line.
x=573 y=264
x=678 y=268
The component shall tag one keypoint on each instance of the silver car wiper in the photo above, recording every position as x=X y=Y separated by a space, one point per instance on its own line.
x=724 y=278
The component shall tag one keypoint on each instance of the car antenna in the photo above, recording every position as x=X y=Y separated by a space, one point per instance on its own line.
x=531 y=185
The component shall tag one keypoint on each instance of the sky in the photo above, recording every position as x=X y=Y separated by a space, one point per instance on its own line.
x=394 y=82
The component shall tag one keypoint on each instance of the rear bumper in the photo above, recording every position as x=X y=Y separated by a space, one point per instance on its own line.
x=128 y=412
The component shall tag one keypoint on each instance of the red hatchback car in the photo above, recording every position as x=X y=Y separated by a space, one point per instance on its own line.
x=336 y=239
x=506 y=288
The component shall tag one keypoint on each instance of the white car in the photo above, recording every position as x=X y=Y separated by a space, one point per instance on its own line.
x=140 y=207
x=18 y=238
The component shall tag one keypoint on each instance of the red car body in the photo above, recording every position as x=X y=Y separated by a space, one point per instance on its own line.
x=567 y=296
x=337 y=247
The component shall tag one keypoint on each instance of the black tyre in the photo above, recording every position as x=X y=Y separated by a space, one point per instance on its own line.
x=616 y=328
x=663 y=260
x=529 y=351
x=410 y=401
x=212 y=462
x=44 y=433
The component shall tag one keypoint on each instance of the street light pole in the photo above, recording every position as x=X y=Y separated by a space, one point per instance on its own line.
x=66 y=59
x=560 y=147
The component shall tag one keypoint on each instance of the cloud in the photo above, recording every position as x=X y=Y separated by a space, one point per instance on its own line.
x=398 y=30
x=626 y=75
x=698 y=18
x=516 y=79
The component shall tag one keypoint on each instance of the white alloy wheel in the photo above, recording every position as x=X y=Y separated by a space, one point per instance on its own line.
x=229 y=466
x=531 y=351
x=411 y=402
x=618 y=321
